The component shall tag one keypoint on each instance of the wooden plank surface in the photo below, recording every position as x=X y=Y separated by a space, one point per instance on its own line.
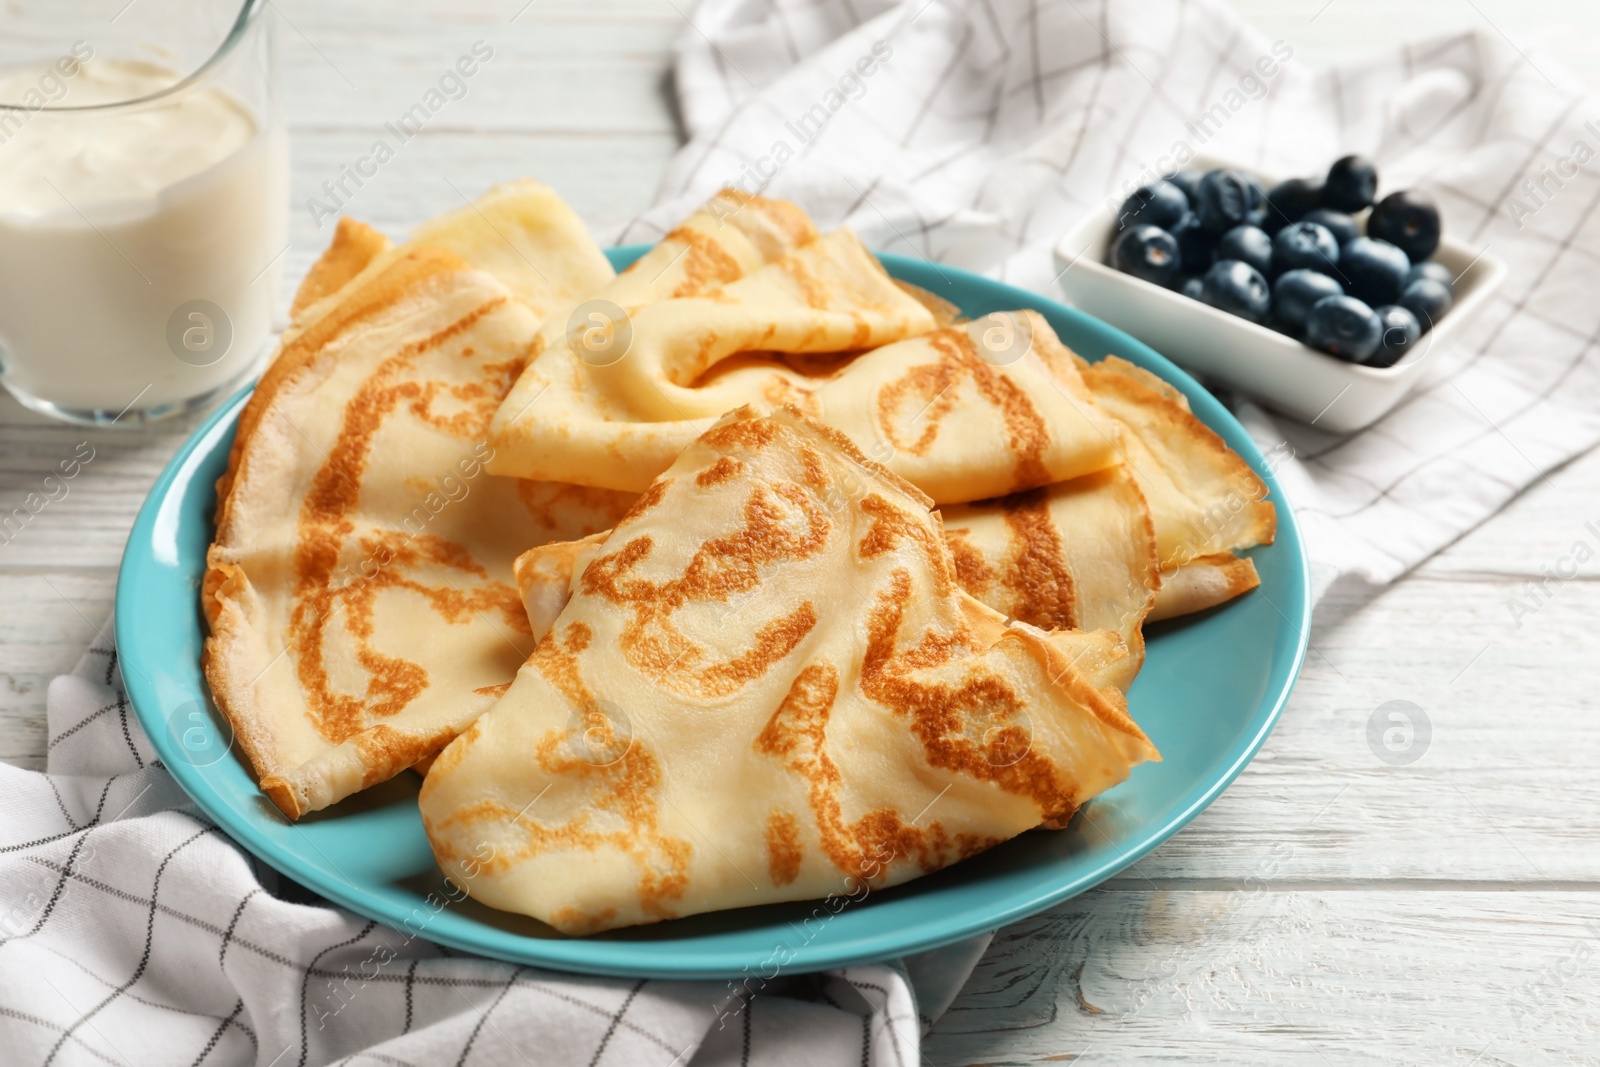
x=1330 y=907
x=1272 y=976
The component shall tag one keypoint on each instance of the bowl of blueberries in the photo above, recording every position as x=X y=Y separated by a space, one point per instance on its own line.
x=1316 y=295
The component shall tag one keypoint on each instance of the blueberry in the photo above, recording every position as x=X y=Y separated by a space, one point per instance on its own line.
x=1248 y=243
x=1290 y=201
x=1147 y=252
x=1345 y=327
x=1437 y=271
x=1237 y=288
x=1191 y=287
x=1400 y=334
x=1197 y=246
x=1296 y=291
x=1226 y=199
x=1373 y=270
x=1157 y=204
x=1409 y=220
x=1341 y=225
x=1305 y=245
x=1258 y=202
x=1351 y=184
x=1428 y=300
x=1189 y=182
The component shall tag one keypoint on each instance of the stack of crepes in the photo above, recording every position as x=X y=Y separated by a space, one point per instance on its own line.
x=650 y=561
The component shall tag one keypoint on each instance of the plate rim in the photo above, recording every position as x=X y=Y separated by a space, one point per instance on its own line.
x=662 y=958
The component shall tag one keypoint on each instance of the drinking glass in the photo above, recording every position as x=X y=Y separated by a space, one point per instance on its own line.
x=143 y=204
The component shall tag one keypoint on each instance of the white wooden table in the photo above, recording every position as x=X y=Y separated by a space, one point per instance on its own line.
x=1329 y=908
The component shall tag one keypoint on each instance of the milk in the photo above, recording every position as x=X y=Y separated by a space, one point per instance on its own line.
x=138 y=246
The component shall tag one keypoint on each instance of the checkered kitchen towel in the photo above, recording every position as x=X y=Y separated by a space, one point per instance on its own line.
x=976 y=132
x=135 y=934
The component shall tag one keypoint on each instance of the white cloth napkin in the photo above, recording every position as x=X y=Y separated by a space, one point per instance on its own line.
x=133 y=933
x=976 y=132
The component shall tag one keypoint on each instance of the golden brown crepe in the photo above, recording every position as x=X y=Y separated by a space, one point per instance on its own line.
x=354 y=245
x=1203 y=496
x=1081 y=554
x=764 y=691
x=972 y=410
x=731 y=236
x=359 y=590
x=1203 y=583
x=964 y=411
x=1104 y=552
x=1077 y=555
x=616 y=405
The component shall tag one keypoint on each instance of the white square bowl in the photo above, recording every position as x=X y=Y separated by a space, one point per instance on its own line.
x=1312 y=386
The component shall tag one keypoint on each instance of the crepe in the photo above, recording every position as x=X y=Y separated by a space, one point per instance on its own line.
x=1078 y=555
x=731 y=236
x=617 y=404
x=973 y=410
x=1203 y=496
x=1084 y=553
x=359 y=590
x=1111 y=552
x=1202 y=583
x=547 y=577
x=1205 y=502
x=762 y=692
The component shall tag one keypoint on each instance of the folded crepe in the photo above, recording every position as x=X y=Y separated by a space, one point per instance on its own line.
x=731 y=236
x=619 y=400
x=1112 y=551
x=763 y=691
x=1083 y=554
x=964 y=411
x=1205 y=502
x=1077 y=555
x=359 y=590
x=973 y=410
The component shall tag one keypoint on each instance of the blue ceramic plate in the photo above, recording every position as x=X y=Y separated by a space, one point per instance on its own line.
x=1210 y=691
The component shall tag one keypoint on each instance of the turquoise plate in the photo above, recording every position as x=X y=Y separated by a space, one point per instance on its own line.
x=1210 y=691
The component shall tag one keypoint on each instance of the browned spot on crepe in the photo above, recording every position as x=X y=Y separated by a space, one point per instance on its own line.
x=932 y=389
x=382 y=748
x=811 y=287
x=628 y=787
x=324 y=528
x=1037 y=574
x=647 y=500
x=704 y=263
x=753 y=434
x=938 y=713
x=797 y=734
x=972 y=570
x=718 y=472
x=720 y=568
x=890 y=526
x=783 y=847
x=482 y=397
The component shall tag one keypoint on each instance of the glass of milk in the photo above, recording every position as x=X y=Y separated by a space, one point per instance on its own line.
x=143 y=204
